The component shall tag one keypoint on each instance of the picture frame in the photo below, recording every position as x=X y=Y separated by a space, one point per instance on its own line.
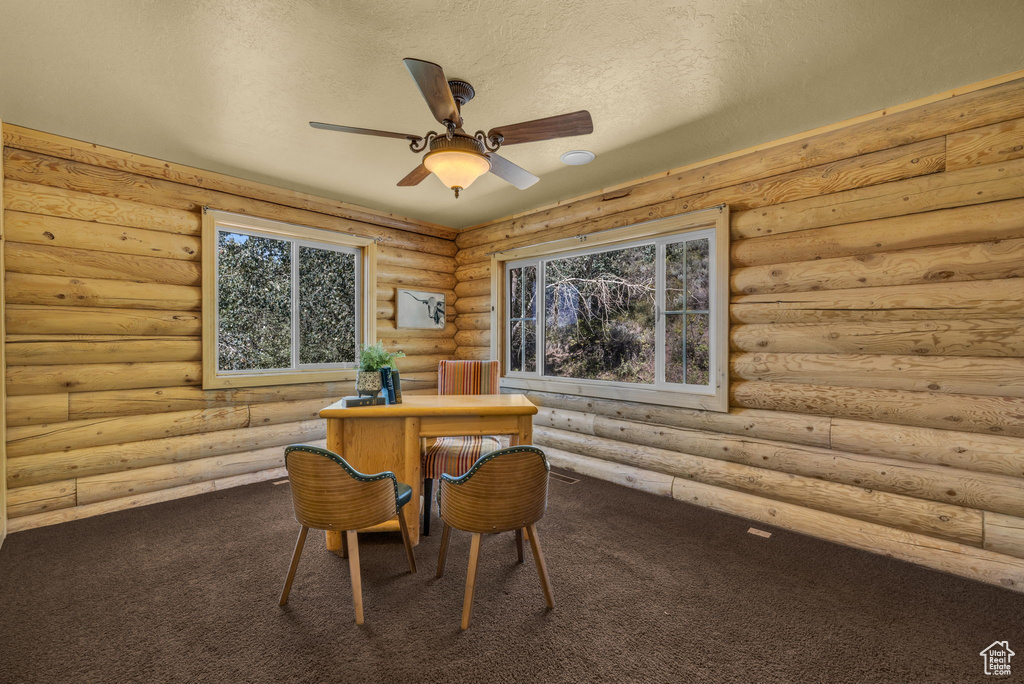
x=420 y=309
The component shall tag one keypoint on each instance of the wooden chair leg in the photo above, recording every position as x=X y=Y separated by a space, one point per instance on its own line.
x=406 y=540
x=344 y=545
x=519 y=543
x=353 y=568
x=428 y=491
x=299 y=543
x=474 y=559
x=445 y=533
x=542 y=569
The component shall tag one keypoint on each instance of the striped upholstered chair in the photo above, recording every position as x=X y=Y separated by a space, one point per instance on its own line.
x=456 y=455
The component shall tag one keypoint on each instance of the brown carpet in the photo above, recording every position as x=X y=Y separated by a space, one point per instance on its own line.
x=647 y=590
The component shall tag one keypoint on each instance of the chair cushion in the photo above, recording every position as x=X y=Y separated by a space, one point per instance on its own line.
x=404 y=494
x=467 y=377
x=456 y=455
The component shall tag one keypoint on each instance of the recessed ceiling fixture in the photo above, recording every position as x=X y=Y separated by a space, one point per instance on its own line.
x=458 y=158
x=577 y=157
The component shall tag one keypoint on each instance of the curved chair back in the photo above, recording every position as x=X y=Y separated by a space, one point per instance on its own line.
x=467 y=377
x=504 y=490
x=329 y=494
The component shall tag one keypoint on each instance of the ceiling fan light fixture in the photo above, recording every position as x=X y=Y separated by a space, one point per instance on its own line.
x=457 y=158
x=456 y=162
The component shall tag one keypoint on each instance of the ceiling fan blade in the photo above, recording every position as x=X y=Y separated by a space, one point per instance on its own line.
x=561 y=126
x=512 y=173
x=363 y=131
x=414 y=177
x=433 y=86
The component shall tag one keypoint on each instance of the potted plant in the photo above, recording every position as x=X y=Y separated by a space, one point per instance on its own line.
x=372 y=358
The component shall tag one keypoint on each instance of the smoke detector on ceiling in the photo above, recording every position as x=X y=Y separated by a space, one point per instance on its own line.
x=577 y=157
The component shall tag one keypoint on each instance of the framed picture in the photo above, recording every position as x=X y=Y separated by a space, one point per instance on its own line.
x=418 y=309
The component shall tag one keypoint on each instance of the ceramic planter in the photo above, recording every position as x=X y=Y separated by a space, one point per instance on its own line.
x=368 y=383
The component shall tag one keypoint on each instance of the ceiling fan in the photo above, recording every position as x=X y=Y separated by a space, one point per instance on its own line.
x=456 y=157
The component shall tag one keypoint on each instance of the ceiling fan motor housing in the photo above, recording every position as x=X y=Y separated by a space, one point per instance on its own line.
x=461 y=91
x=457 y=142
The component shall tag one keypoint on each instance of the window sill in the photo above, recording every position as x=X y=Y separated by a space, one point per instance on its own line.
x=713 y=401
x=214 y=381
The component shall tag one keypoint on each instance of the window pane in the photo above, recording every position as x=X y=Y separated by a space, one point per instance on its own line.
x=253 y=302
x=674 y=352
x=515 y=362
x=327 y=306
x=530 y=346
x=600 y=322
x=530 y=286
x=675 y=286
x=515 y=289
x=698 y=284
x=698 y=350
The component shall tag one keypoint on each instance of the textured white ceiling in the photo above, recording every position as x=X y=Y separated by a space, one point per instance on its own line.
x=229 y=85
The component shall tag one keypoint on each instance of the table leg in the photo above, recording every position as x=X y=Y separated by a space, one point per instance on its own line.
x=525 y=435
x=375 y=445
x=413 y=477
x=335 y=432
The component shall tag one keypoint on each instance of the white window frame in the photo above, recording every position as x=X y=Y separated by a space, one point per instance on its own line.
x=709 y=223
x=214 y=222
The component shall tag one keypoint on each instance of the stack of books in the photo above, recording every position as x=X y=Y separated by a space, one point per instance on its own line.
x=391 y=391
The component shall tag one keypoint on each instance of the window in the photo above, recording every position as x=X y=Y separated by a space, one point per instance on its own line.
x=282 y=303
x=636 y=313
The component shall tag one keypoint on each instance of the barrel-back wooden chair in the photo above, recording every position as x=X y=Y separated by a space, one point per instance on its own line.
x=503 y=491
x=456 y=455
x=329 y=494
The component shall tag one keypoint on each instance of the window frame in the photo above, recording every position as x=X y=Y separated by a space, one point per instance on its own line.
x=711 y=223
x=215 y=221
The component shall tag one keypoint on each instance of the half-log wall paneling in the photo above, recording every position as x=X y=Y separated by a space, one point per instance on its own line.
x=877 y=345
x=877 y=335
x=3 y=392
x=105 y=408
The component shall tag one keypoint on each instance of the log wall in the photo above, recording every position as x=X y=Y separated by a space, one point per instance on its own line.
x=105 y=408
x=877 y=336
x=877 y=346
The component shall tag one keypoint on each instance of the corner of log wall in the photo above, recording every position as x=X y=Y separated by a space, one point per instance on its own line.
x=876 y=336
x=103 y=345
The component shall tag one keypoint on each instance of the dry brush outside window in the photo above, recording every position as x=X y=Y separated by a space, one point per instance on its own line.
x=522 y=290
x=599 y=321
x=635 y=318
x=687 y=312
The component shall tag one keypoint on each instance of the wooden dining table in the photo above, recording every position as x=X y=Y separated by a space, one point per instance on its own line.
x=389 y=437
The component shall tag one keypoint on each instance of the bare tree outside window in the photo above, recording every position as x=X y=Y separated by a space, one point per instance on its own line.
x=522 y=308
x=599 y=319
x=600 y=316
x=687 y=313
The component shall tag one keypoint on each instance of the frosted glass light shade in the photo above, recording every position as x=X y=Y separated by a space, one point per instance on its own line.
x=457 y=168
